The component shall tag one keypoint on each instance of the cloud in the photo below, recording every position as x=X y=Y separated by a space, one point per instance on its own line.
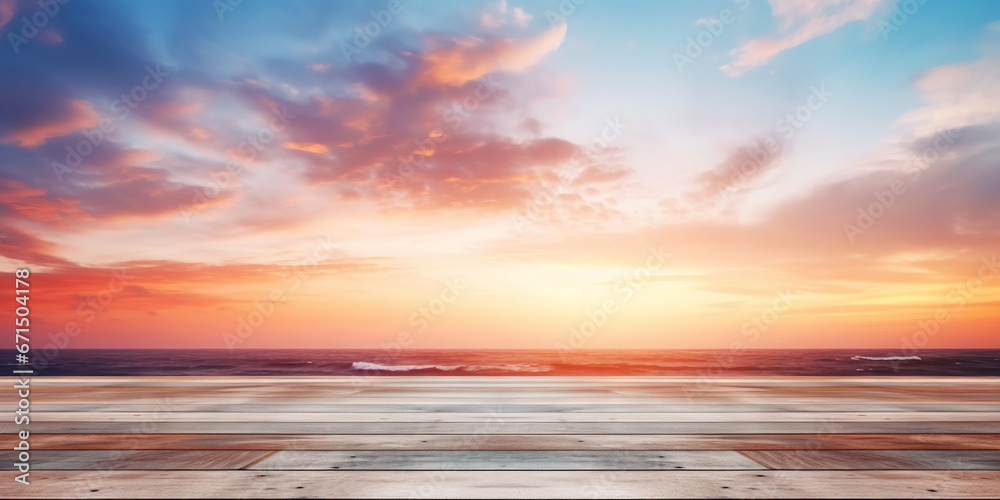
x=111 y=189
x=156 y=284
x=454 y=61
x=53 y=107
x=600 y=174
x=76 y=115
x=308 y=147
x=432 y=103
x=140 y=192
x=21 y=246
x=737 y=172
x=496 y=15
x=484 y=172
x=800 y=21
x=7 y=10
x=24 y=203
x=935 y=232
x=521 y=17
x=957 y=95
x=353 y=122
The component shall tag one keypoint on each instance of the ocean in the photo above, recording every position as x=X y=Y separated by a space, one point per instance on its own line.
x=353 y=362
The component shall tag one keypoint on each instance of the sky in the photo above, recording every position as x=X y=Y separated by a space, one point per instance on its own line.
x=571 y=174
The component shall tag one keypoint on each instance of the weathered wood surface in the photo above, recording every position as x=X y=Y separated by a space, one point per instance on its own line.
x=511 y=442
x=497 y=437
x=497 y=415
x=497 y=427
x=507 y=484
x=166 y=406
x=876 y=459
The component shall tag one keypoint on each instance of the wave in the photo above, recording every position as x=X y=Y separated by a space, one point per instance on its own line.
x=364 y=365
x=507 y=368
x=886 y=358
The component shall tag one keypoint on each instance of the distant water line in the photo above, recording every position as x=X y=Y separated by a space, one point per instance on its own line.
x=356 y=362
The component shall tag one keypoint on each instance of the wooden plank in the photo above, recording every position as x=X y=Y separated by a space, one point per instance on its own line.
x=496 y=427
x=877 y=459
x=167 y=398
x=456 y=388
x=380 y=460
x=498 y=415
x=503 y=484
x=565 y=407
x=505 y=460
x=424 y=387
x=137 y=459
x=568 y=436
x=509 y=441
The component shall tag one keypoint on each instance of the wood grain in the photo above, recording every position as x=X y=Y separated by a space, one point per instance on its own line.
x=877 y=459
x=504 y=484
x=488 y=426
x=498 y=415
x=506 y=460
x=508 y=441
x=501 y=437
x=118 y=459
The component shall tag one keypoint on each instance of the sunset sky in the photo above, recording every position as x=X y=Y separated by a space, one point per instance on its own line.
x=792 y=173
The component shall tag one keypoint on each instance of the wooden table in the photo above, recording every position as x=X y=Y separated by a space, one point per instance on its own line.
x=489 y=437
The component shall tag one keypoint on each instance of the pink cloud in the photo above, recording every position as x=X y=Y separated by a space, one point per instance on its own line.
x=7 y=10
x=957 y=95
x=79 y=115
x=454 y=61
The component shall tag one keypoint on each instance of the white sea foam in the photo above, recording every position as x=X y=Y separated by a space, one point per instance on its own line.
x=508 y=368
x=886 y=358
x=364 y=365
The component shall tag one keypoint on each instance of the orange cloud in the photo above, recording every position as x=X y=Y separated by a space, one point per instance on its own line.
x=32 y=204
x=459 y=60
x=308 y=147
